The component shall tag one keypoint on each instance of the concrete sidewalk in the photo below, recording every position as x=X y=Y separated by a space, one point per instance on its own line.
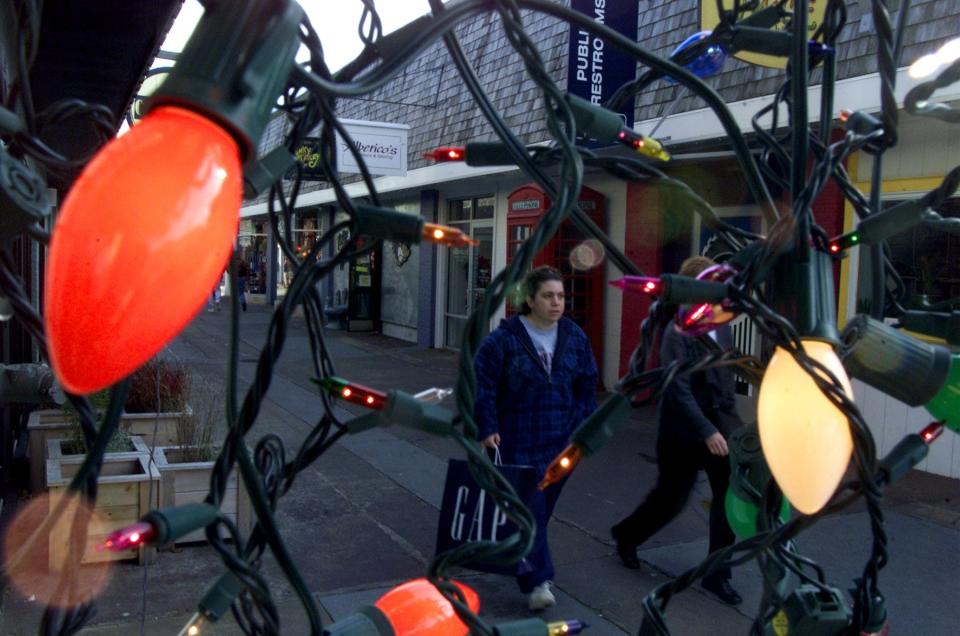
x=363 y=517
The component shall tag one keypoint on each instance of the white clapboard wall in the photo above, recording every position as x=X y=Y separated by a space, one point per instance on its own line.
x=890 y=419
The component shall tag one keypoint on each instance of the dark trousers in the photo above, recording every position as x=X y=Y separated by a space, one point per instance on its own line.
x=537 y=566
x=678 y=464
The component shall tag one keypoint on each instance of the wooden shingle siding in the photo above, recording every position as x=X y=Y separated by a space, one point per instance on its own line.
x=429 y=96
x=664 y=24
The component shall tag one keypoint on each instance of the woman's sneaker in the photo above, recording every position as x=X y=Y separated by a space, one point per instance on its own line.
x=541 y=597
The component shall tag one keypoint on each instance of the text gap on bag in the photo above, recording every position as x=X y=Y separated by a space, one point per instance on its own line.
x=475 y=532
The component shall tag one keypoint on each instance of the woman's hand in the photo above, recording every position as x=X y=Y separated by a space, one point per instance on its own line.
x=492 y=441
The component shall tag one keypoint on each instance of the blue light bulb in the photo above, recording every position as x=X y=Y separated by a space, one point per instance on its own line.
x=707 y=63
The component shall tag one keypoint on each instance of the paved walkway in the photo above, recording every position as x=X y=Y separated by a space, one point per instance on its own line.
x=363 y=517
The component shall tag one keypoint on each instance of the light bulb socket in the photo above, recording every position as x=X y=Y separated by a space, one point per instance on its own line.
x=259 y=175
x=686 y=289
x=218 y=598
x=909 y=451
x=602 y=424
x=593 y=121
x=386 y=223
x=235 y=65
x=29 y=383
x=488 y=153
x=749 y=473
x=765 y=18
x=899 y=218
x=406 y=410
x=172 y=523
x=760 y=40
x=23 y=196
x=901 y=366
x=801 y=289
x=810 y=609
x=366 y=621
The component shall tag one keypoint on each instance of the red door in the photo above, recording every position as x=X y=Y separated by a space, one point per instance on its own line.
x=584 y=285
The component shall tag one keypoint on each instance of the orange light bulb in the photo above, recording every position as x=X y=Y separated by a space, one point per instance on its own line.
x=416 y=608
x=143 y=236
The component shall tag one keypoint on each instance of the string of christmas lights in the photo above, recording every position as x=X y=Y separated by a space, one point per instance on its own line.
x=755 y=285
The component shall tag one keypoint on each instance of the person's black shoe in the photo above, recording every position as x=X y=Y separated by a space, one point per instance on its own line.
x=626 y=551
x=722 y=589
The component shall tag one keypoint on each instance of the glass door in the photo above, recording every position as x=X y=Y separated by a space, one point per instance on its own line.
x=469 y=269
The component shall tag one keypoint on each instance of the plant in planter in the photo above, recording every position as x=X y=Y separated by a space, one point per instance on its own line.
x=63 y=424
x=185 y=467
x=157 y=401
x=196 y=431
x=74 y=444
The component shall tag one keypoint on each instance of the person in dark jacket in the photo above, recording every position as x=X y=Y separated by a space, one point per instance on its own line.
x=536 y=381
x=695 y=416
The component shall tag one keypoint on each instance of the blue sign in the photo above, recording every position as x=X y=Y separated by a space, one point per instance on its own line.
x=596 y=68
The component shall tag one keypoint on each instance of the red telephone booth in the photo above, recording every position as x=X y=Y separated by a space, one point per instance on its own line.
x=584 y=287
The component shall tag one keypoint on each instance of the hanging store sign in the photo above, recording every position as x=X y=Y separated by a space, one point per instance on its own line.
x=710 y=18
x=383 y=147
x=596 y=68
x=308 y=154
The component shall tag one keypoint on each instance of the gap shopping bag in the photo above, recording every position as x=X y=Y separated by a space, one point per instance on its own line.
x=468 y=514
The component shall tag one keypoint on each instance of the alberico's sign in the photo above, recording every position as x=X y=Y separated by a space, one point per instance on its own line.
x=595 y=67
x=709 y=19
x=383 y=147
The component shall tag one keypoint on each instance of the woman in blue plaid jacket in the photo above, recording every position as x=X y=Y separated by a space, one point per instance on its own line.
x=536 y=381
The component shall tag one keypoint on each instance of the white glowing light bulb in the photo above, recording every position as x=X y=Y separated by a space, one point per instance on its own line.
x=805 y=437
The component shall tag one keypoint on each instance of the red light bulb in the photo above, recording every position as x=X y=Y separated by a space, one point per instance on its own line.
x=144 y=235
x=129 y=537
x=416 y=608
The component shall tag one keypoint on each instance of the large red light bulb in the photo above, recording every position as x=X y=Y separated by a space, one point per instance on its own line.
x=416 y=608
x=143 y=236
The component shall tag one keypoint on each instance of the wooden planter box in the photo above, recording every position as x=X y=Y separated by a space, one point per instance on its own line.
x=59 y=448
x=42 y=426
x=188 y=482
x=142 y=424
x=123 y=497
x=45 y=425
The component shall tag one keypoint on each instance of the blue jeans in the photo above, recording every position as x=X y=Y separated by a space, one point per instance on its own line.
x=537 y=567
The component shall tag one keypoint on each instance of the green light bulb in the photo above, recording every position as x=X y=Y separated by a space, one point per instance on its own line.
x=742 y=514
x=945 y=405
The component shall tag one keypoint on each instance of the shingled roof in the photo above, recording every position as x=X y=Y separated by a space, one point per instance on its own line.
x=664 y=24
x=430 y=97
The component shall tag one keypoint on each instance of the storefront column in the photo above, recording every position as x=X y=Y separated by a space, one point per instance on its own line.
x=272 y=253
x=427 y=296
x=644 y=246
x=328 y=214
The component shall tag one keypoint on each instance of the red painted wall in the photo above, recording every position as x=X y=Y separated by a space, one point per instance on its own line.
x=642 y=245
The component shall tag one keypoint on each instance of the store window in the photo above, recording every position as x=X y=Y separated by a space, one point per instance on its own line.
x=253 y=249
x=928 y=261
x=469 y=269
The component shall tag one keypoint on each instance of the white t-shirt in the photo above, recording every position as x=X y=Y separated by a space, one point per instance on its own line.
x=544 y=341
